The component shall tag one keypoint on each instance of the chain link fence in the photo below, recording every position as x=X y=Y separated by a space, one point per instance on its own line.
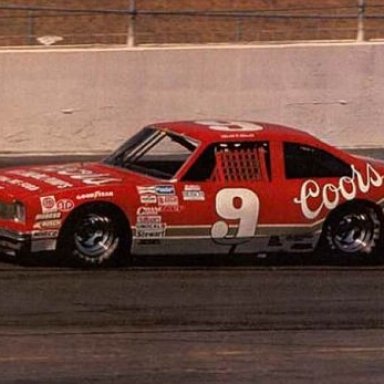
x=130 y=24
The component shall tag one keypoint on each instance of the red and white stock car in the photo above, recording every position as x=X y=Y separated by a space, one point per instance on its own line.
x=197 y=187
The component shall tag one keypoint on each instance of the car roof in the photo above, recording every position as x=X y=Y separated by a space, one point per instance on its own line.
x=203 y=131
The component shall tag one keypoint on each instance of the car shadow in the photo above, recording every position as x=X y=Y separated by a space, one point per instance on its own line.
x=48 y=260
x=252 y=260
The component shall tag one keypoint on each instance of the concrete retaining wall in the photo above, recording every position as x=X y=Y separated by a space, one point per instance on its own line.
x=91 y=100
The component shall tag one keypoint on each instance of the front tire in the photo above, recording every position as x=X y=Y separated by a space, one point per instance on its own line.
x=354 y=230
x=94 y=236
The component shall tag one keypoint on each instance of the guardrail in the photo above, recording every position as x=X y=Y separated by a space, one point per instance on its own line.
x=35 y=25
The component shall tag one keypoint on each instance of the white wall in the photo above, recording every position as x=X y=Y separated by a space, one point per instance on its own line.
x=91 y=100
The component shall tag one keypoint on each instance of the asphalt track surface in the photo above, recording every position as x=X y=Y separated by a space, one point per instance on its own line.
x=287 y=319
x=229 y=322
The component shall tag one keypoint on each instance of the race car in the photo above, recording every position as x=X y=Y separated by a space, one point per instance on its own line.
x=199 y=187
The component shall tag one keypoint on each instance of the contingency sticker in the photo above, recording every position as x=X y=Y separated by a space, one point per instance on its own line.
x=47 y=224
x=65 y=205
x=193 y=193
x=48 y=216
x=95 y=195
x=168 y=203
x=48 y=204
x=148 y=198
x=45 y=234
x=149 y=223
x=162 y=195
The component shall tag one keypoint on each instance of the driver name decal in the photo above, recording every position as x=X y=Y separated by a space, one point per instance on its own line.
x=313 y=198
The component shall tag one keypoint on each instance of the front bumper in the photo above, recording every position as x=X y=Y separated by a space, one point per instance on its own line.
x=14 y=243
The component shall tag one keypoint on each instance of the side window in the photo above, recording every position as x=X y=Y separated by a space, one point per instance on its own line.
x=246 y=161
x=303 y=162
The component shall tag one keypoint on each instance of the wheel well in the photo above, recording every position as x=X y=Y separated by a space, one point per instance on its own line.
x=322 y=243
x=356 y=203
x=112 y=208
x=349 y=205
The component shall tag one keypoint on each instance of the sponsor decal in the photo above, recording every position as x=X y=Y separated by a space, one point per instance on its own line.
x=164 y=195
x=149 y=223
x=148 y=211
x=48 y=204
x=150 y=232
x=48 y=216
x=168 y=203
x=65 y=205
x=95 y=195
x=165 y=189
x=84 y=175
x=313 y=198
x=158 y=190
x=45 y=234
x=149 y=219
x=148 y=199
x=193 y=193
x=54 y=181
x=19 y=183
x=47 y=224
x=145 y=190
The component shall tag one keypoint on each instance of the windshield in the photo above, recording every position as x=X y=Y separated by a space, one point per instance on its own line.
x=153 y=152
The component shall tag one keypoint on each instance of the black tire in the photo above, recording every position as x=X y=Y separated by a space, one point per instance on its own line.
x=354 y=230
x=94 y=236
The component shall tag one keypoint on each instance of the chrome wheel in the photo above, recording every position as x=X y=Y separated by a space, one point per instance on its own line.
x=354 y=231
x=95 y=237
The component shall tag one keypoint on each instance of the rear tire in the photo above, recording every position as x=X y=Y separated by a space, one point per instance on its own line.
x=94 y=236
x=354 y=230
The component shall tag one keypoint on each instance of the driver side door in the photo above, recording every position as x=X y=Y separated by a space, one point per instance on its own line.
x=223 y=199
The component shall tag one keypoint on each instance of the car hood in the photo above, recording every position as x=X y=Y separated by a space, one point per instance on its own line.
x=22 y=182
